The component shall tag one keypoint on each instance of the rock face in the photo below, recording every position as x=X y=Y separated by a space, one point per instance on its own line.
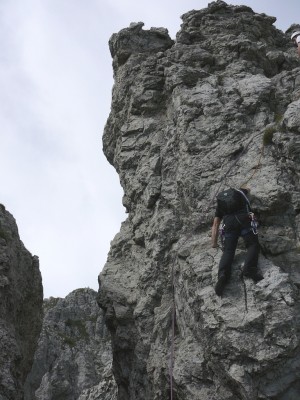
x=21 y=299
x=217 y=108
x=73 y=359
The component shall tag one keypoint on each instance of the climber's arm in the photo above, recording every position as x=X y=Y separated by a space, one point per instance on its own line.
x=215 y=231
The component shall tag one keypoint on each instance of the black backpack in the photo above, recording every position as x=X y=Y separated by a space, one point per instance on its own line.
x=232 y=200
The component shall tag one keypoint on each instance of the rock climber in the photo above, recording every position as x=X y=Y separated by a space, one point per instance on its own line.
x=296 y=39
x=238 y=221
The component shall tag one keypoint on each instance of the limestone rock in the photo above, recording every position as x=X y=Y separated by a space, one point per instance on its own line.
x=188 y=119
x=21 y=298
x=73 y=359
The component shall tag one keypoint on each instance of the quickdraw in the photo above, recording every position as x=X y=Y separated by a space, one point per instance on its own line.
x=254 y=223
x=222 y=235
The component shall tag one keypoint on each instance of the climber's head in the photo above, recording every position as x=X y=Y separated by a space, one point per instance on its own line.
x=294 y=35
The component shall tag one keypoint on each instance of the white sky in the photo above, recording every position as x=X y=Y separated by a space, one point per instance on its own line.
x=56 y=80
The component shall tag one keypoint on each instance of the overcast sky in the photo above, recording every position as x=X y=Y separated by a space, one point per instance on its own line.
x=56 y=80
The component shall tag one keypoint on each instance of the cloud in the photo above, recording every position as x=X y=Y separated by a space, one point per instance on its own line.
x=65 y=196
x=56 y=82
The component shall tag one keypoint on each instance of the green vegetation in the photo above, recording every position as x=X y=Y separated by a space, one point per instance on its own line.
x=79 y=325
x=270 y=130
x=78 y=330
x=93 y=319
x=67 y=340
x=278 y=118
x=268 y=135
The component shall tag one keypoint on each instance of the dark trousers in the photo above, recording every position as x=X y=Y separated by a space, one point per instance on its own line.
x=252 y=245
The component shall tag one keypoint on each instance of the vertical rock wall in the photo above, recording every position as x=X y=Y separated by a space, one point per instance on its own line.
x=21 y=298
x=188 y=119
x=73 y=359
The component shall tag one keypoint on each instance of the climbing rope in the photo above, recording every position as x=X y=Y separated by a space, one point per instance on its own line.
x=172 y=352
x=173 y=312
x=256 y=168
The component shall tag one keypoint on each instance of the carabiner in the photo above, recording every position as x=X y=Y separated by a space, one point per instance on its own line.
x=222 y=235
x=254 y=223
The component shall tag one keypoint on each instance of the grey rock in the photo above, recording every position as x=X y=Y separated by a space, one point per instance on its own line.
x=74 y=357
x=188 y=119
x=129 y=42
x=292 y=116
x=21 y=298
